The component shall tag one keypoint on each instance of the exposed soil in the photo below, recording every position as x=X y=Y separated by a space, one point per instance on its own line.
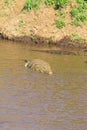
x=38 y=26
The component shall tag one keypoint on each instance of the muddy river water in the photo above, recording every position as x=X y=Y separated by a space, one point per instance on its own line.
x=33 y=101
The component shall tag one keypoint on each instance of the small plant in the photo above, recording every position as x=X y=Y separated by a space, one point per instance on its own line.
x=76 y=37
x=61 y=3
x=60 y=23
x=79 y=13
x=31 y=4
x=60 y=14
x=21 y=23
x=82 y=3
x=79 y=1
x=49 y=2
x=82 y=6
x=82 y=17
x=6 y=2
x=76 y=22
x=74 y=12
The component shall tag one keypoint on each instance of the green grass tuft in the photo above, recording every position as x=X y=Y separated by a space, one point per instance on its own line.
x=60 y=23
x=22 y=23
x=77 y=37
x=79 y=13
x=30 y=4
x=61 y=3
x=49 y=2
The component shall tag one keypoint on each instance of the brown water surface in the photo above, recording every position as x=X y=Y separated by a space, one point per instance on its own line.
x=33 y=101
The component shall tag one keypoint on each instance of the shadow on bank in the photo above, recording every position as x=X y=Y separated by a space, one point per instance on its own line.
x=67 y=47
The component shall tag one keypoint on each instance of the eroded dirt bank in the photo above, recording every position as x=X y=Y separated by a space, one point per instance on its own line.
x=38 y=26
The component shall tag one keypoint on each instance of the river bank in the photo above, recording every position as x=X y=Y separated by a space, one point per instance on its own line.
x=38 y=27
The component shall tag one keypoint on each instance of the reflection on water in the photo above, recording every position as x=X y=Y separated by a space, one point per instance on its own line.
x=33 y=101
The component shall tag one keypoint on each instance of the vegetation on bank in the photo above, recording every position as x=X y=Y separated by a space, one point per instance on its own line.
x=30 y=4
x=75 y=10
x=77 y=38
x=78 y=13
